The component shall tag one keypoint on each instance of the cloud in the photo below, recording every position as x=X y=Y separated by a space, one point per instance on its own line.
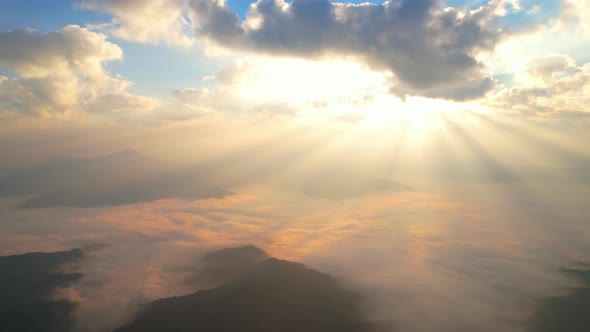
x=548 y=86
x=226 y=98
x=62 y=73
x=549 y=79
x=503 y=7
x=201 y=101
x=575 y=15
x=407 y=248
x=190 y=103
x=544 y=69
x=431 y=50
x=70 y=50
x=156 y=22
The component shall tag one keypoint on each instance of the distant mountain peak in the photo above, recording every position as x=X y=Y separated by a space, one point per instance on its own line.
x=124 y=153
x=247 y=253
x=123 y=177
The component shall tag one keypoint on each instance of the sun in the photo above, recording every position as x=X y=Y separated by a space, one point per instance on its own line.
x=300 y=81
x=333 y=88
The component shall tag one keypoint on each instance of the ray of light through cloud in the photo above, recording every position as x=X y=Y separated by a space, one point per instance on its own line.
x=426 y=160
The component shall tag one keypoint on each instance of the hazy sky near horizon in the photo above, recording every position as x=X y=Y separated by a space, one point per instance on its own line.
x=431 y=154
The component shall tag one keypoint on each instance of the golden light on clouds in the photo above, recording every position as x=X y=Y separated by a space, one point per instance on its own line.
x=431 y=155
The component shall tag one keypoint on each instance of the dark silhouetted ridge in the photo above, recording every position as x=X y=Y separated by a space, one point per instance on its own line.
x=567 y=313
x=269 y=296
x=26 y=281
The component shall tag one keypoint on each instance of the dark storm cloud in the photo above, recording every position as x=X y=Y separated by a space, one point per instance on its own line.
x=125 y=177
x=430 y=49
x=26 y=282
x=267 y=295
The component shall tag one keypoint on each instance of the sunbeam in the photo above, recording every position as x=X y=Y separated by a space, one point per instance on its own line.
x=294 y=165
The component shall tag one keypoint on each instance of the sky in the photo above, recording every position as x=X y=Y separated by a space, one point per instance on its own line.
x=431 y=156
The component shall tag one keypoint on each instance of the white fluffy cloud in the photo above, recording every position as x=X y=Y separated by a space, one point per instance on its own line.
x=552 y=85
x=156 y=21
x=576 y=14
x=549 y=66
x=63 y=72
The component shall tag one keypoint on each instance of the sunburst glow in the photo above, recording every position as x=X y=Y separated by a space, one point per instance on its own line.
x=294 y=166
